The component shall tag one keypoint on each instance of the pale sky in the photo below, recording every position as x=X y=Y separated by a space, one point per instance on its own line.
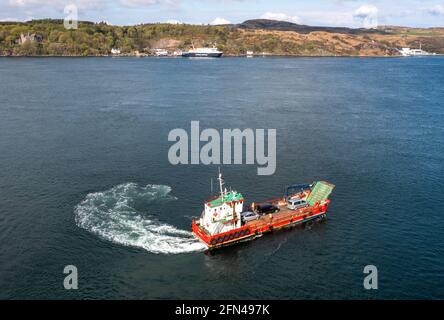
x=350 y=13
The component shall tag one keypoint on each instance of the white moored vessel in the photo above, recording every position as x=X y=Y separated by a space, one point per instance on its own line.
x=408 y=52
x=202 y=52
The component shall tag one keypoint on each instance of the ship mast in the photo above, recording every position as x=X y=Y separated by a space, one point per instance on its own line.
x=221 y=182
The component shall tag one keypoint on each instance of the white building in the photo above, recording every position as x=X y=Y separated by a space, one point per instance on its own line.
x=161 y=52
x=115 y=51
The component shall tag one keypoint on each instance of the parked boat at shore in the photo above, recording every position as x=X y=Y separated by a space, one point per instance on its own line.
x=408 y=52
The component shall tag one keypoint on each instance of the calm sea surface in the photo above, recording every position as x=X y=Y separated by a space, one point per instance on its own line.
x=85 y=178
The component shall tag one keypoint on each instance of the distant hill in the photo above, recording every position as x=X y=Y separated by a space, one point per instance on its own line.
x=266 y=24
x=264 y=37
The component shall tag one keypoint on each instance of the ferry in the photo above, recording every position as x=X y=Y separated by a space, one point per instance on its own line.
x=202 y=52
x=407 y=52
x=226 y=220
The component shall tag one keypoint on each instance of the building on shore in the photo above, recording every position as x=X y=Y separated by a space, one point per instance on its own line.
x=160 y=52
x=29 y=38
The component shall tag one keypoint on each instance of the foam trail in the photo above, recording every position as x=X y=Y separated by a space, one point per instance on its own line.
x=112 y=215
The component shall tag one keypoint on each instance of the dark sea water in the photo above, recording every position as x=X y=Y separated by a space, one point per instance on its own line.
x=85 y=178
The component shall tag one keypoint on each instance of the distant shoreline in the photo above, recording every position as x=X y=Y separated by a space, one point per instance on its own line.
x=49 y=38
x=223 y=57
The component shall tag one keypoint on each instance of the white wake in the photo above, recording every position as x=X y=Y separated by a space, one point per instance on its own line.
x=115 y=215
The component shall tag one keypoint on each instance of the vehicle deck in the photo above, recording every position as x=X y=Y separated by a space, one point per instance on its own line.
x=284 y=215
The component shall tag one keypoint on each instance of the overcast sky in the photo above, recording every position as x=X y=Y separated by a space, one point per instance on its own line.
x=351 y=13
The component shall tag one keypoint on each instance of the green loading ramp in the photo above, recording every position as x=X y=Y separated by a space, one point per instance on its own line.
x=320 y=191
